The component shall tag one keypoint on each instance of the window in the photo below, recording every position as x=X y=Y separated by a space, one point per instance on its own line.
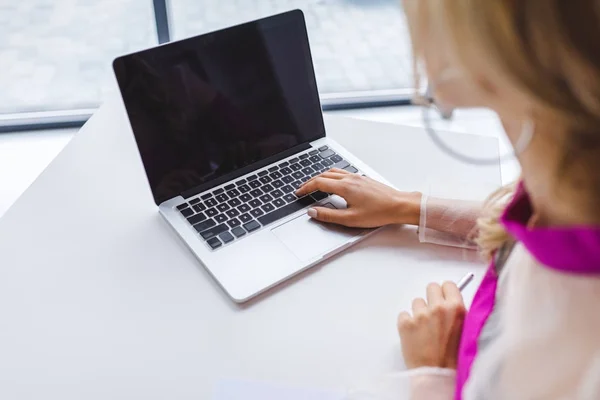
x=55 y=56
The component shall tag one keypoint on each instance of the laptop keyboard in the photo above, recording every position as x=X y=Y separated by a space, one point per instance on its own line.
x=231 y=212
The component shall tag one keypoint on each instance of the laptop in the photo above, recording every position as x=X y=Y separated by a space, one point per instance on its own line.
x=228 y=125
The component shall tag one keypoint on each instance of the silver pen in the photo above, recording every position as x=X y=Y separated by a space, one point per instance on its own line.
x=465 y=281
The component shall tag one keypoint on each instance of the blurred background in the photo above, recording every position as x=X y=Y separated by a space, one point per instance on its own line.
x=55 y=55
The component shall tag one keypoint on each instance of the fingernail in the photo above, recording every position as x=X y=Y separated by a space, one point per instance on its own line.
x=312 y=212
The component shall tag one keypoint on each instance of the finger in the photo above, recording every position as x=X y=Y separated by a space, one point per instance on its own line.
x=328 y=175
x=419 y=306
x=434 y=294
x=323 y=184
x=333 y=216
x=340 y=171
x=452 y=293
x=405 y=321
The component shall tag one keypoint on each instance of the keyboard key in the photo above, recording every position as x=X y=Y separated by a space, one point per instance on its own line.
x=273 y=168
x=284 y=164
x=318 y=166
x=212 y=232
x=296 y=167
x=244 y=208
x=313 y=152
x=276 y=193
x=341 y=165
x=234 y=222
x=313 y=175
x=254 y=184
x=265 y=179
x=287 y=189
x=351 y=169
x=307 y=171
x=221 y=218
x=211 y=212
x=319 y=195
x=267 y=188
x=205 y=225
x=182 y=206
x=232 y=213
x=238 y=232
x=194 y=219
x=230 y=186
x=214 y=243
x=240 y=182
x=290 y=198
x=323 y=148
x=287 y=210
x=256 y=193
x=245 y=197
x=244 y=188
x=327 y=153
x=245 y=218
x=211 y=202
x=277 y=184
x=233 y=193
x=336 y=158
x=305 y=163
x=286 y=171
x=223 y=207
x=206 y=196
x=315 y=159
x=263 y=173
x=255 y=203
x=266 y=198
x=252 y=178
x=305 y=179
x=199 y=207
x=279 y=203
x=252 y=226
x=194 y=201
x=296 y=185
x=268 y=207
x=222 y=198
x=287 y=179
x=226 y=237
x=275 y=175
x=218 y=191
x=298 y=175
x=257 y=212
x=234 y=202
x=327 y=163
x=303 y=156
x=186 y=212
x=294 y=160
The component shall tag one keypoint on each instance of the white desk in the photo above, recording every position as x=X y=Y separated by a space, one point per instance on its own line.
x=99 y=299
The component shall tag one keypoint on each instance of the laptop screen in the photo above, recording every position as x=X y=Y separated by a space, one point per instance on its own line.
x=205 y=108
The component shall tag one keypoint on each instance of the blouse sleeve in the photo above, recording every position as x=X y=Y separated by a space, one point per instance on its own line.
x=448 y=222
x=415 y=384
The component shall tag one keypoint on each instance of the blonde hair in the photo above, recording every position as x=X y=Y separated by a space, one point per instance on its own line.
x=548 y=50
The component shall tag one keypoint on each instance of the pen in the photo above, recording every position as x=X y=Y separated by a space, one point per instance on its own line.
x=465 y=281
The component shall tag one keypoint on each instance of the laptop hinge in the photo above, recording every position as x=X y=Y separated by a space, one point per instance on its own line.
x=246 y=170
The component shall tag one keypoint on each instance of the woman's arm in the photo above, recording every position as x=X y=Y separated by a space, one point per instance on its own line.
x=372 y=204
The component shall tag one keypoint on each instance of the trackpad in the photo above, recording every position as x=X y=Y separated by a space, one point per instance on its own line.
x=308 y=239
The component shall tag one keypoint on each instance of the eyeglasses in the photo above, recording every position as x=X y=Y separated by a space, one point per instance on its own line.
x=430 y=109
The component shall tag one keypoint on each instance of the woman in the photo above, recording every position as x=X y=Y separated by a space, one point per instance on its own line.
x=533 y=330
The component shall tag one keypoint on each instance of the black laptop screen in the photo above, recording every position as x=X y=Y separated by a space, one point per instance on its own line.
x=205 y=107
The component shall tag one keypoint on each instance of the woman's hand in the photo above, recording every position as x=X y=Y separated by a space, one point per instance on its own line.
x=370 y=204
x=431 y=336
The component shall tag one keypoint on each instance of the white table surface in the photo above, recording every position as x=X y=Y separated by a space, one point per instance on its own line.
x=99 y=299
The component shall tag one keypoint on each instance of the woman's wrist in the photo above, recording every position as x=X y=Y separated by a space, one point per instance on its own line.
x=408 y=208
